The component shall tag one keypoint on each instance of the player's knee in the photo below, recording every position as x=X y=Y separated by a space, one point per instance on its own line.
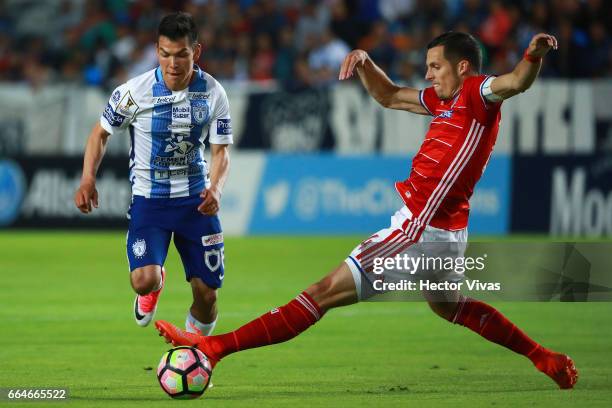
x=209 y=298
x=321 y=289
x=445 y=310
x=144 y=281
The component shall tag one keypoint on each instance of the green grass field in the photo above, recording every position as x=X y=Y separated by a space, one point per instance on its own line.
x=66 y=321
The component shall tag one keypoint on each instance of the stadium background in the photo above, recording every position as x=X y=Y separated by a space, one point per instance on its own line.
x=301 y=137
x=313 y=158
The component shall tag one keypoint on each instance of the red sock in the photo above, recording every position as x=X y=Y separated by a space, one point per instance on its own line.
x=494 y=326
x=276 y=326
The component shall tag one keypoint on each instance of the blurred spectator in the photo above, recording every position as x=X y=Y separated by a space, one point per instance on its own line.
x=264 y=57
x=313 y=20
x=299 y=43
x=379 y=45
x=496 y=27
x=326 y=58
x=343 y=24
x=285 y=57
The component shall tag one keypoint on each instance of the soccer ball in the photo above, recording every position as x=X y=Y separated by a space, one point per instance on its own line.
x=184 y=372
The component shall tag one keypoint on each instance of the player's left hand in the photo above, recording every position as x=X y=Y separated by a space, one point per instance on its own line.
x=540 y=45
x=354 y=59
x=211 y=201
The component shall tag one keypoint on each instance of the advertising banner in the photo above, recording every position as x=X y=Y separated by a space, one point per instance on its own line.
x=562 y=195
x=342 y=195
x=38 y=193
x=265 y=194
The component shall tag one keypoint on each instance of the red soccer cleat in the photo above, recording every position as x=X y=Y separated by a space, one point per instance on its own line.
x=559 y=367
x=179 y=337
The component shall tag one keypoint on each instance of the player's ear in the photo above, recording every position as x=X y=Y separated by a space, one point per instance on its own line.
x=463 y=67
x=197 y=51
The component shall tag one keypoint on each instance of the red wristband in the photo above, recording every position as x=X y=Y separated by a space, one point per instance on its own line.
x=531 y=58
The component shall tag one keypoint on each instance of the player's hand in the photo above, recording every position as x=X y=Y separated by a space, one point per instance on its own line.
x=540 y=45
x=86 y=197
x=353 y=59
x=211 y=201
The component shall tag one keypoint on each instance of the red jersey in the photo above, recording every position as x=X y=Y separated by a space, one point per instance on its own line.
x=452 y=158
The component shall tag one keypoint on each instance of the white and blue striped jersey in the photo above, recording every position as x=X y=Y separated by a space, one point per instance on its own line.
x=167 y=131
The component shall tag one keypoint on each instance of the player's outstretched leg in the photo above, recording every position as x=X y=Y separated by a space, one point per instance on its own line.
x=145 y=304
x=495 y=327
x=279 y=325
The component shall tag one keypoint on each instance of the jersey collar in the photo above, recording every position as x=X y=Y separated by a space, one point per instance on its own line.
x=199 y=74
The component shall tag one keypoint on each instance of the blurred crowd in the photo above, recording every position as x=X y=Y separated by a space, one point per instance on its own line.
x=296 y=43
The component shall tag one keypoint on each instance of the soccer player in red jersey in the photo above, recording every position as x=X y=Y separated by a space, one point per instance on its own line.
x=465 y=107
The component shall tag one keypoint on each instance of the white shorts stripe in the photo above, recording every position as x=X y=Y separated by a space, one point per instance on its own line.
x=382 y=246
x=366 y=251
x=385 y=250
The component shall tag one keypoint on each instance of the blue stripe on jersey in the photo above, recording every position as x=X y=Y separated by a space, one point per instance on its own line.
x=132 y=156
x=196 y=168
x=162 y=116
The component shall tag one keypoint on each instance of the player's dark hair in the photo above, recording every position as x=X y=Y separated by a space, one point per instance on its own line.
x=177 y=26
x=459 y=46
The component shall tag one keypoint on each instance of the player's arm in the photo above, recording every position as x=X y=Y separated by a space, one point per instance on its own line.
x=526 y=71
x=86 y=197
x=379 y=85
x=218 y=175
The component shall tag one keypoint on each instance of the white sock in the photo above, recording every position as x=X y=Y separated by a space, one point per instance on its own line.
x=205 y=329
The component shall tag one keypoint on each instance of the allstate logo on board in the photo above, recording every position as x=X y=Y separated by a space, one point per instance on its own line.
x=12 y=189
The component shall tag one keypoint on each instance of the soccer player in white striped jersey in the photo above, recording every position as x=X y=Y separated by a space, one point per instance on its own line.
x=465 y=107
x=169 y=112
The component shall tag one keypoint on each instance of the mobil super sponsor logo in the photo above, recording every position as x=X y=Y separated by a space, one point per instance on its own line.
x=181 y=112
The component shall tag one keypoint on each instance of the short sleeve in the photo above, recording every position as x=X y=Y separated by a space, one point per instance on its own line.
x=119 y=111
x=429 y=99
x=221 y=124
x=480 y=98
x=487 y=93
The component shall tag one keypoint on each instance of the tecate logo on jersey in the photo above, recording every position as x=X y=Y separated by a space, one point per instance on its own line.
x=162 y=100
x=199 y=96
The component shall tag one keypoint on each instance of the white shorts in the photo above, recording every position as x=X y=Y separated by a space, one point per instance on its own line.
x=431 y=245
